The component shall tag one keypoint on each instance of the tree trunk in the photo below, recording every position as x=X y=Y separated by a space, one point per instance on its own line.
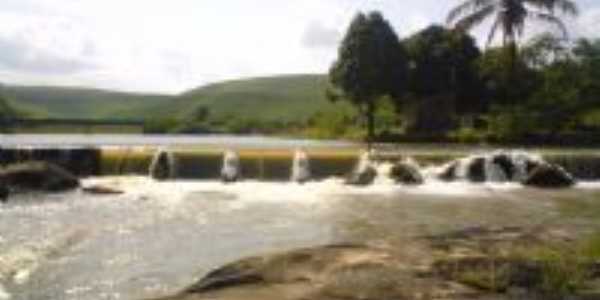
x=370 y=124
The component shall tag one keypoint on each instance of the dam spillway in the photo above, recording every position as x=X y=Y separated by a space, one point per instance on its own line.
x=264 y=164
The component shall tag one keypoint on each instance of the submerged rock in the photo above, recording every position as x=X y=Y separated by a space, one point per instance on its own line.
x=406 y=173
x=101 y=190
x=38 y=176
x=362 y=177
x=549 y=176
x=449 y=172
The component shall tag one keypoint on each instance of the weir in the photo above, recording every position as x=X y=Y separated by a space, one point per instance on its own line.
x=297 y=165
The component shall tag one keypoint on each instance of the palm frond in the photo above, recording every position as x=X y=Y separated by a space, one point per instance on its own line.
x=551 y=19
x=493 y=32
x=567 y=7
x=466 y=8
x=475 y=18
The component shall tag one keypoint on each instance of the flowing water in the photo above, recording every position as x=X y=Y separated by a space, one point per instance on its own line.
x=158 y=237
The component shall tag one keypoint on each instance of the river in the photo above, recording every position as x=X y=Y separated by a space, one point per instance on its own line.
x=159 y=237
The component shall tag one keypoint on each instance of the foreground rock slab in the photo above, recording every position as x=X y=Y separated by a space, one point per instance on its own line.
x=38 y=176
x=328 y=272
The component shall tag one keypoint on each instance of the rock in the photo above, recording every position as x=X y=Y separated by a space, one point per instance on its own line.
x=406 y=173
x=505 y=163
x=4 y=192
x=449 y=172
x=163 y=166
x=38 y=176
x=363 y=177
x=101 y=190
x=549 y=176
x=326 y=272
x=476 y=170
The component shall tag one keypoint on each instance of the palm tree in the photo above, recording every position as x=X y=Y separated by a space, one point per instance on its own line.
x=510 y=16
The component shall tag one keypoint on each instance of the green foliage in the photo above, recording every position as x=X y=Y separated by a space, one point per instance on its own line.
x=508 y=82
x=334 y=124
x=443 y=74
x=371 y=63
x=163 y=125
x=468 y=135
x=442 y=61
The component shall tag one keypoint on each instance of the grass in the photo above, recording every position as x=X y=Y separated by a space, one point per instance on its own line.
x=551 y=269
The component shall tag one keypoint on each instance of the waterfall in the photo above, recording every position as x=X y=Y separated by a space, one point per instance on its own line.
x=163 y=165
x=230 y=171
x=300 y=167
x=365 y=171
x=497 y=166
x=493 y=172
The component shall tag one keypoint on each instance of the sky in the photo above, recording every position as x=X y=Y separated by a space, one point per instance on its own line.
x=169 y=46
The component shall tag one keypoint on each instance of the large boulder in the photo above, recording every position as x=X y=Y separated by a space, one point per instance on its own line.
x=476 y=170
x=549 y=176
x=38 y=176
x=163 y=166
x=406 y=173
x=506 y=164
x=449 y=172
x=363 y=177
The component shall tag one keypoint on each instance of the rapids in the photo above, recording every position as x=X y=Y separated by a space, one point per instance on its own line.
x=159 y=236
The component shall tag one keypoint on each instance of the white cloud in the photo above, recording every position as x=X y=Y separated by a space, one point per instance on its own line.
x=170 y=46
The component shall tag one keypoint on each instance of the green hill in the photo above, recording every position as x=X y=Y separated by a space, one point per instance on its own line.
x=287 y=98
x=80 y=103
x=258 y=102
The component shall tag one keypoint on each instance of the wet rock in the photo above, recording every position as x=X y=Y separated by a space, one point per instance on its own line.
x=549 y=176
x=505 y=163
x=406 y=173
x=101 y=190
x=476 y=170
x=328 y=272
x=163 y=166
x=38 y=176
x=4 y=192
x=363 y=177
x=449 y=173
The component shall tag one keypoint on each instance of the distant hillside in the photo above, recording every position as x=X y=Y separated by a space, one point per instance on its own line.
x=59 y=102
x=288 y=98
x=6 y=110
x=281 y=98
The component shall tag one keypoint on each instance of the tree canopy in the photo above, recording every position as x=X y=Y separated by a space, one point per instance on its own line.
x=371 y=63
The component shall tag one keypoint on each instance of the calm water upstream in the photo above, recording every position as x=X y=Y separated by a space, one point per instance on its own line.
x=99 y=140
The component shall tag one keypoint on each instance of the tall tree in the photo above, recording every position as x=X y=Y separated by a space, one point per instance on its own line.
x=510 y=16
x=443 y=78
x=371 y=64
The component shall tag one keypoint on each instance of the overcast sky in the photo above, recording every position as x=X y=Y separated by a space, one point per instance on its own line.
x=172 y=45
